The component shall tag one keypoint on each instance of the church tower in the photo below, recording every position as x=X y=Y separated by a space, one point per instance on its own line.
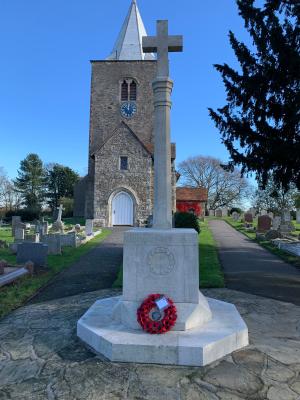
x=118 y=189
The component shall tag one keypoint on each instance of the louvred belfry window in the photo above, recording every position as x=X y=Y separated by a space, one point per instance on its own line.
x=133 y=91
x=124 y=91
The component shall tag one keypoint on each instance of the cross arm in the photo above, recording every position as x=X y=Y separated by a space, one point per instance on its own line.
x=150 y=45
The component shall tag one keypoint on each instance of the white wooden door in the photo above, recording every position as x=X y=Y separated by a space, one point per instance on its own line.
x=122 y=209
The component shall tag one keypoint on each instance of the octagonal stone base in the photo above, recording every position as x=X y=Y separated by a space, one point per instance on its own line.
x=223 y=334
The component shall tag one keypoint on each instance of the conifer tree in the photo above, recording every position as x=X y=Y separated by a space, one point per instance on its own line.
x=260 y=124
x=31 y=182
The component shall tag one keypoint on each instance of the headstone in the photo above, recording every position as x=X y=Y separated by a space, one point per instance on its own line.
x=235 y=216
x=253 y=211
x=264 y=223
x=298 y=216
x=89 y=227
x=264 y=212
x=53 y=242
x=14 y=220
x=286 y=225
x=248 y=217
x=68 y=240
x=276 y=223
x=45 y=228
x=211 y=213
x=224 y=211
x=271 y=215
x=219 y=213
x=35 y=252
x=19 y=234
x=35 y=238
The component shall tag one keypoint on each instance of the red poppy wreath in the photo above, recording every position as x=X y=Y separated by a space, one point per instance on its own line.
x=156 y=320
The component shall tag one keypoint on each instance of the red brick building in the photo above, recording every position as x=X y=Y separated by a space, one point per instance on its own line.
x=191 y=200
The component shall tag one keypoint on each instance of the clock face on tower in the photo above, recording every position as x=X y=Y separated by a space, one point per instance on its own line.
x=128 y=109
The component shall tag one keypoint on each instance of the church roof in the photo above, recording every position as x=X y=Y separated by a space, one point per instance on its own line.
x=129 y=43
x=191 y=194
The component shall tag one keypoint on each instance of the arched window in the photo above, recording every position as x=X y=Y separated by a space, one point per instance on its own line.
x=133 y=91
x=128 y=90
x=124 y=91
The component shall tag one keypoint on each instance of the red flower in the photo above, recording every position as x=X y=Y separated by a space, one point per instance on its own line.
x=156 y=327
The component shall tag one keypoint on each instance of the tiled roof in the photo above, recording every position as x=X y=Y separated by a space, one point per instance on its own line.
x=191 y=194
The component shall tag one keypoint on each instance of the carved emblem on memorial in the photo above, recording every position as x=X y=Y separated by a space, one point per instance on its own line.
x=161 y=261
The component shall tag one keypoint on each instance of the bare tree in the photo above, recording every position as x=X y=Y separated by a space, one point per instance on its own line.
x=224 y=188
x=9 y=198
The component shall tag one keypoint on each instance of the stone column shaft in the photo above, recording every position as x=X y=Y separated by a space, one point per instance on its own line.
x=162 y=214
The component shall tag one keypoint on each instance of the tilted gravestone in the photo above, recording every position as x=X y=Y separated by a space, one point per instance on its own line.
x=248 y=218
x=264 y=223
x=35 y=252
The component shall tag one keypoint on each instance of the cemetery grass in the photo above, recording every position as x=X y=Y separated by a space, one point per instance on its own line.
x=211 y=274
x=17 y=293
x=289 y=258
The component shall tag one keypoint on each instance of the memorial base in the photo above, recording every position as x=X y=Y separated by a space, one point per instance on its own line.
x=223 y=334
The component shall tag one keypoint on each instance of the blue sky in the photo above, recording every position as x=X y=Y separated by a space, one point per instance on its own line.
x=45 y=72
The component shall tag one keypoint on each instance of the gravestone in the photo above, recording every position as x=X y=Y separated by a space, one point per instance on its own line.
x=45 y=228
x=165 y=261
x=14 y=221
x=264 y=212
x=68 y=240
x=235 y=216
x=264 y=223
x=286 y=225
x=276 y=223
x=271 y=215
x=253 y=211
x=298 y=216
x=219 y=213
x=35 y=252
x=19 y=234
x=211 y=213
x=35 y=237
x=53 y=242
x=248 y=218
x=89 y=227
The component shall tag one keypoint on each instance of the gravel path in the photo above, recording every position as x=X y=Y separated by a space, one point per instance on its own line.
x=251 y=269
x=95 y=270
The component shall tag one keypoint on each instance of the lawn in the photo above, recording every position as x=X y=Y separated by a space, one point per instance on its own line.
x=211 y=275
x=16 y=294
x=239 y=226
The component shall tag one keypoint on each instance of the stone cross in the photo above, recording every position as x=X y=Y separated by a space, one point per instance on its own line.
x=162 y=89
x=162 y=44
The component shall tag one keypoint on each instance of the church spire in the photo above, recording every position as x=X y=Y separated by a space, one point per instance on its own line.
x=129 y=43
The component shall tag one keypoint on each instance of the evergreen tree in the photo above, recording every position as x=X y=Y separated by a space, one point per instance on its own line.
x=60 y=183
x=260 y=124
x=30 y=182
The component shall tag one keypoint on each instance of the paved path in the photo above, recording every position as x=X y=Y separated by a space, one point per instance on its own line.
x=93 y=271
x=42 y=359
x=250 y=268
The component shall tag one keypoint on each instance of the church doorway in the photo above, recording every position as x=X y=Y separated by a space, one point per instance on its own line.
x=122 y=209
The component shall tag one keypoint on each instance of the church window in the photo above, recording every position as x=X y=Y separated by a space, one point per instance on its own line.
x=124 y=91
x=123 y=163
x=133 y=91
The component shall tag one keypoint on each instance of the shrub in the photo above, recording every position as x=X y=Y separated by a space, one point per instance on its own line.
x=186 y=220
x=235 y=209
